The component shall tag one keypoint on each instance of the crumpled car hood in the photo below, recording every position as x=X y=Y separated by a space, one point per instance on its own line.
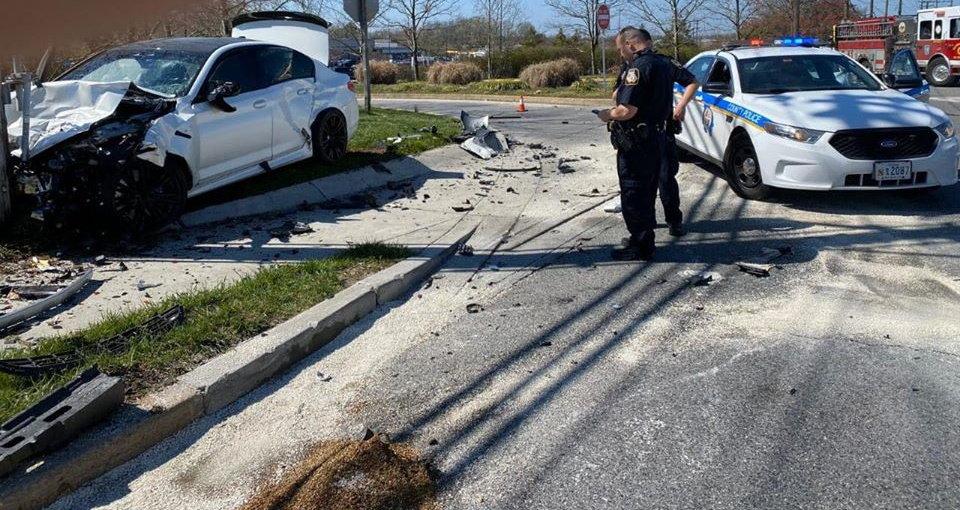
x=61 y=110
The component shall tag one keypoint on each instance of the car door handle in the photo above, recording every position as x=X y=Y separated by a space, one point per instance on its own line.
x=302 y=92
x=260 y=103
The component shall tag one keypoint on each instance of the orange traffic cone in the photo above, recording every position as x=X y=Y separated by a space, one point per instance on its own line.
x=522 y=108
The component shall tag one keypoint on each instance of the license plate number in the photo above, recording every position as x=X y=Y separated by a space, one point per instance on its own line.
x=893 y=170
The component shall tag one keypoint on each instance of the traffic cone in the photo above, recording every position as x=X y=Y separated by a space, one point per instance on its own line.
x=522 y=108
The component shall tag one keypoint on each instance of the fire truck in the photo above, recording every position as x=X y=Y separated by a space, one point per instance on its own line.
x=930 y=40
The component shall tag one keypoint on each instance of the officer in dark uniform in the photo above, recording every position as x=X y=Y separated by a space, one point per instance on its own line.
x=670 y=162
x=638 y=124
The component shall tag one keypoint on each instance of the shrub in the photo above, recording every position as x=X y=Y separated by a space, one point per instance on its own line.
x=501 y=85
x=381 y=72
x=556 y=73
x=454 y=73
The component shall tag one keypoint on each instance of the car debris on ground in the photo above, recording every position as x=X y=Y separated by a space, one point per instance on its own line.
x=761 y=266
x=19 y=315
x=40 y=366
x=59 y=417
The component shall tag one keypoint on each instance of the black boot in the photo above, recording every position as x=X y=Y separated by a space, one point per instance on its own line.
x=636 y=249
x=677 y=230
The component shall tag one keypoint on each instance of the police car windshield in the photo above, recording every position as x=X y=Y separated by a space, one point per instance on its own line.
x=797 y=73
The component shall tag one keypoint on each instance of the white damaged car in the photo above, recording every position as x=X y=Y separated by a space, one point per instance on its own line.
x=131 y=132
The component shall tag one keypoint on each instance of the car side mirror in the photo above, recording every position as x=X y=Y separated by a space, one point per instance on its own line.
x=717 y=87
x=217 y=97
x=890 y=79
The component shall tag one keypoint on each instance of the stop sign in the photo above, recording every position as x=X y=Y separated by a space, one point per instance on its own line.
x=603 y=16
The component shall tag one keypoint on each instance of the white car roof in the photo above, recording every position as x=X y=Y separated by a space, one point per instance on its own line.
x=776 y=51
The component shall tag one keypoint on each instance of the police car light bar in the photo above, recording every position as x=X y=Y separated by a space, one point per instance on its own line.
x=796 y=41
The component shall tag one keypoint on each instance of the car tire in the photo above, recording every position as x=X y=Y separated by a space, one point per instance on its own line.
x=743 y=169
x=330 y=137
x=938 y=73
x=145 y=197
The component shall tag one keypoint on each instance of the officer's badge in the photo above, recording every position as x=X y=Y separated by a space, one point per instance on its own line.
x=633 y=77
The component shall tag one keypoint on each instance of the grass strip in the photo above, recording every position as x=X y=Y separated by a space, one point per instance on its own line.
x=216 y=320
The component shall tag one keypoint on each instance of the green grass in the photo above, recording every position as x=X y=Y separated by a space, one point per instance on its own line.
x=366 y=148
x=588 y=87
x=216 y=320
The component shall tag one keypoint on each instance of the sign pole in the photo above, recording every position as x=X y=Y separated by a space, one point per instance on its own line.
x=365 y=55
x=603 y=55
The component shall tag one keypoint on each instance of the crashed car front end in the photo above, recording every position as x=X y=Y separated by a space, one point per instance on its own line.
x=86 y=140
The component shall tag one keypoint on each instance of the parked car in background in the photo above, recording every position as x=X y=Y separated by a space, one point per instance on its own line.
x=346 y=66
x=131 y=132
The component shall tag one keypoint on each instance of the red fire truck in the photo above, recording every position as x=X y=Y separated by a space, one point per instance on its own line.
x=932 y=38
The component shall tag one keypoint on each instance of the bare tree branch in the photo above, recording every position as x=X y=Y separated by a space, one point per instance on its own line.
x=583 y=14
x=411 y=17
x=671 y=17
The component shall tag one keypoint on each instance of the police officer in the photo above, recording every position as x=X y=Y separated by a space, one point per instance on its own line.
x=670 y=162
x=638 y=124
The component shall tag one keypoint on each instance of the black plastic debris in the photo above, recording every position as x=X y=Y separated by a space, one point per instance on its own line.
x=39 y=366
x=474 y=308
x=59 y=417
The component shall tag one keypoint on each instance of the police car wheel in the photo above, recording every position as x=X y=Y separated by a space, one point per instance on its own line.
x=938 y=73
x=743 y=170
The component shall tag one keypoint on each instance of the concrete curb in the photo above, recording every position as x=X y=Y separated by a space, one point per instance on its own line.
x=563 y=101
x=216 y=383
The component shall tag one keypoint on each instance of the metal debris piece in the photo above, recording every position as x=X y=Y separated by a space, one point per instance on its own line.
x=563 y=166
x=486 y=144
x=59 y=417
x=142 y=285
x=758 y=270
x=471 y=125
x=21 y=314
x=52 y=363
x=700 y=278
x=520 y=167
x=31 y=292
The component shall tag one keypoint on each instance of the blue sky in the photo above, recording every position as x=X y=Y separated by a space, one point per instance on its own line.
x=543 y=17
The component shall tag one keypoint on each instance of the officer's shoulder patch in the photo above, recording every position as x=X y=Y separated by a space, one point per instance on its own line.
x=633 y=76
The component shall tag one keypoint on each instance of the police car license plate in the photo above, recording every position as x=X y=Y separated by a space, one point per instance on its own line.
x=893 y=170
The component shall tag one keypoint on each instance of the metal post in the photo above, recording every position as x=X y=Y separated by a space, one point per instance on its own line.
x=365 y=55
x=23 y=82
x=603 y=55
x=5 y=200
x=886 y=8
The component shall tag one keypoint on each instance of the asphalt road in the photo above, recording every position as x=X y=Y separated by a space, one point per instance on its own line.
x=583 y=383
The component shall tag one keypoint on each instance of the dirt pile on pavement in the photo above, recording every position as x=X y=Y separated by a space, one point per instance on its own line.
x=353 y=475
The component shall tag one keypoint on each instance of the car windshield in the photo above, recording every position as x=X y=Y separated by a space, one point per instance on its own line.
x=795 y=73
x=169 y=72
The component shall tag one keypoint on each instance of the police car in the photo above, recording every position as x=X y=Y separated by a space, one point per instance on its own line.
x=793 y=115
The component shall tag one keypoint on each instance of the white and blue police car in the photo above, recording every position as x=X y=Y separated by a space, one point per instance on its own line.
x=794 y=115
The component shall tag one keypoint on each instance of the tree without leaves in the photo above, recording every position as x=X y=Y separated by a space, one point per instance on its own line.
x=583 y=14
x=411 y=17
x=671 y=17
x=497 y=15
x=738 y=13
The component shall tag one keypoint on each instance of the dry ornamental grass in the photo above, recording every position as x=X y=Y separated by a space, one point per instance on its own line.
x=556 y=73
x=381 y=72
x=454 y=73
